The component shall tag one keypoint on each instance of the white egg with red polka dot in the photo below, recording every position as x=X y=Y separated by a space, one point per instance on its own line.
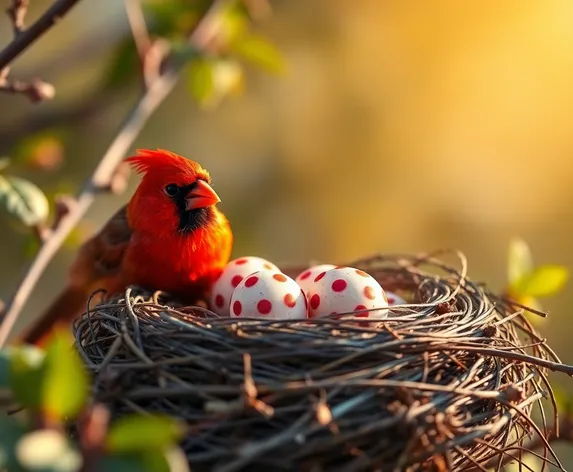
x=345 y=290
x=394 y=299
x=306 y=277
x=268 y=294
x=232 y=275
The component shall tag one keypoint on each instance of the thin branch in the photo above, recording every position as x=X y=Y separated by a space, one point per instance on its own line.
x=565 y=427
x=138 y=27
x=202 y=35
x=37 y=90
x=17 y=12
x=28 y=36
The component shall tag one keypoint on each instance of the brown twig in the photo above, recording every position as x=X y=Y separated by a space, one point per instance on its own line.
x=17 y=11
x=142 y=40
x=28 y=36
x=37 y=90
x=103 y=175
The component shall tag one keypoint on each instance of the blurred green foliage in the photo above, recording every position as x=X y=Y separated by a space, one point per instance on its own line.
x=53 y=388
x=23 y=200
x=527 y=282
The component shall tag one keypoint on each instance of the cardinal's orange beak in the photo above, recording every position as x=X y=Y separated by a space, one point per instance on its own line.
x=201 y=196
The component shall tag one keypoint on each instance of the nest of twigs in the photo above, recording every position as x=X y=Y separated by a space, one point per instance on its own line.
x=448 y=382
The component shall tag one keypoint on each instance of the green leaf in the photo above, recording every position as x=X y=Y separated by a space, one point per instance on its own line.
x=5 y=359
x=520 y=261
x=10 y=433
x=24 y=200
x=544 y=281
x=174 y=18
x=26 y=375
x=233 y=21
x=47 y=450
x=55 y=383
x=259 y=52
x=143 y=433
x=147 y=461
x=202 y=80
x=65 y=383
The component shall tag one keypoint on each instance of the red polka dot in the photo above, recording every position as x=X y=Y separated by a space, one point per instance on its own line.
x=369 y=292
x=219 y=301
x=362 y=273
x=290 y=300
x=236 y=280
x=362 y=314
x=251 y=281
x=319 y=276
x=314 y=301
x=267 y=266
x=305 y=276
x=280 y=277
x=264 y=307
x=391 y=300
x=237 y=308
x=241 y=261
x=339 y=285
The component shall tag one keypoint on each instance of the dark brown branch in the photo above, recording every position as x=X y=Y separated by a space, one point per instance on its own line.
x=104 y=173
x=28 y=36
x=17 y=12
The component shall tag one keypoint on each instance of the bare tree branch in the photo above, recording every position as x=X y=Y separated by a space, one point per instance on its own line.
x=17 y=11
x=138 y=27
x=28 y=36
x=158 y=90
x=37 y=90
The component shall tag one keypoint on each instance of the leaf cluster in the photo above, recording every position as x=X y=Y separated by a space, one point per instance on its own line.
x=45 y=396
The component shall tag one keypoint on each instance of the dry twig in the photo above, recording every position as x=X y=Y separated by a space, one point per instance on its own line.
x=37 y=90
x=25 y=38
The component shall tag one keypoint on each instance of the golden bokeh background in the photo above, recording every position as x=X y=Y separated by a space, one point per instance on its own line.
x=400 y=126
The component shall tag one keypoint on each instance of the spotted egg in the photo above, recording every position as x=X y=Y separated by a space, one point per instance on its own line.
x=344 y=290
x=306 y=277
x=232 y=275
x=394 y=299
x=269 y=294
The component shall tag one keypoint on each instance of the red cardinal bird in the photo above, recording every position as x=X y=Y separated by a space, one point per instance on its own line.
x=169 y=237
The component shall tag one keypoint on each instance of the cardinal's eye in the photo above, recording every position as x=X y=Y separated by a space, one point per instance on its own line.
x=171 y=190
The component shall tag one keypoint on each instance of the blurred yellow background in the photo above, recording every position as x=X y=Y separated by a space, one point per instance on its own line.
x=400 y=126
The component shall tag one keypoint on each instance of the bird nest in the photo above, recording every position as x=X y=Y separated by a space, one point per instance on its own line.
x=450 y=381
